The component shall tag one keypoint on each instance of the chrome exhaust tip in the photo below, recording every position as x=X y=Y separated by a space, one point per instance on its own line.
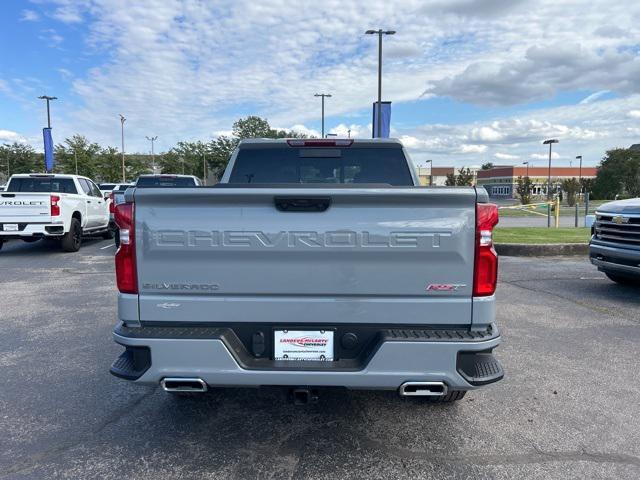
x=423 y=389
x=183 y=384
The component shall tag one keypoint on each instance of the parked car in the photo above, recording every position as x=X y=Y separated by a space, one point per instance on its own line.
x=313 y=263
x=2 y=188
x=615 y=241
x=107 y=188
x=164 y=180
x=115 y=197
x=60 y=207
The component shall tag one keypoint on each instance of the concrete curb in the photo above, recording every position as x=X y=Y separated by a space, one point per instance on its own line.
x=541 y=250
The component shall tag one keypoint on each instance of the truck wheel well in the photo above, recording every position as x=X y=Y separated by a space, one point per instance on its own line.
x=78 y=216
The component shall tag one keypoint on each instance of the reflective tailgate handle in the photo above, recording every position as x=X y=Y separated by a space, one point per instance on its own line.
x=302 y=204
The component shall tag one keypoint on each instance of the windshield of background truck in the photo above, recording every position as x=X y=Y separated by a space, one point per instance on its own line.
x=321 y=165
x=44 y=185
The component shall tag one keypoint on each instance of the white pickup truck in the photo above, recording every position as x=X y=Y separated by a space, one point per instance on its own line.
x=62 y=207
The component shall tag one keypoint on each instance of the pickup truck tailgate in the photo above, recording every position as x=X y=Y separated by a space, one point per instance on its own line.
x=239 y=255
x=19 y=207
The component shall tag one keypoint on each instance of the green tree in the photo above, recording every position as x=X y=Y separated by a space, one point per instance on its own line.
x=108 y=166
x=76 y=155
x=219 y=150
x=18 y=158
x=487 y=166
x=450 y=181
x=618 y=174
x=571 y=187
x=523 y=189
x=252 y=127
x=465 y=177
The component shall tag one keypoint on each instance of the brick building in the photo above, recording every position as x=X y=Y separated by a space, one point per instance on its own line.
x=501 y=180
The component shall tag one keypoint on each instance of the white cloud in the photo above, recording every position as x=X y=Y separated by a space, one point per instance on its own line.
x=541 y=156
x=67 y=14
x=185 y=69
x=353 y=130
x=472 y=148
x=486 y=134
x=594 y=96
x=302 y=129
x=634 y=113
x=29 y=16
x=505 y=156
x=51 y=37
x=8 y=136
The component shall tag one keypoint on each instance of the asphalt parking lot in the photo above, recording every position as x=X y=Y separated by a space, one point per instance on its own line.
x=569 y=406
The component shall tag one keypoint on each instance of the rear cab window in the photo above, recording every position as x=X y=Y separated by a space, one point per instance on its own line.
x=165 y=181
x=353 y=165
x=42 y=185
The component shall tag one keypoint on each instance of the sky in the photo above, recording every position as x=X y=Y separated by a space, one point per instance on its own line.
x=470 y=81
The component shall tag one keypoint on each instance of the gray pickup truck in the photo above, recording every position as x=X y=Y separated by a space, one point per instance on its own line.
x=615 y=241
x=313 y=263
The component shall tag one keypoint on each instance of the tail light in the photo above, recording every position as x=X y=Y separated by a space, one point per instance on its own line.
x=55 y=206
x=126 y=274
x=112 y=206
x=485 y=274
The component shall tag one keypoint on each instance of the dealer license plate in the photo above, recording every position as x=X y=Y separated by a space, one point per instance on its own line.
x=303 y=345
x=10 y=227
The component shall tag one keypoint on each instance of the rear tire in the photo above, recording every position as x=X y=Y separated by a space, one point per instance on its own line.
x=622 y=280
x=108 y=233
x=72 y=240
x=450 y=397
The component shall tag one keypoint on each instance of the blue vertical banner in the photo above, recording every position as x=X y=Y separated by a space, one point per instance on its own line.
x=48 y=149
x=385 y=127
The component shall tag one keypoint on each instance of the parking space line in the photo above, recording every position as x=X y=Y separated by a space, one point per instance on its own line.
x=108 y=246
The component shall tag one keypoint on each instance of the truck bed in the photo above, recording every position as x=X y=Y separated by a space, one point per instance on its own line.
x=388 y=255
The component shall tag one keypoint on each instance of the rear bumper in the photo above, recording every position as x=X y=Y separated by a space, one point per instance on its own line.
x=622 y=261
x=460 y=358
x=33 y=230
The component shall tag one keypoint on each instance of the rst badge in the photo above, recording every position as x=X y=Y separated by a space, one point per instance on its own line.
x=444 y=287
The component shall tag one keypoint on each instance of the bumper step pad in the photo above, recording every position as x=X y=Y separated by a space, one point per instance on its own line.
x=479 y=368
x=132 y=363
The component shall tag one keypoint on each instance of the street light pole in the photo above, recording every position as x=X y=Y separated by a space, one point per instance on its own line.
x=527 y=164
x=122 y=120
x=430 y=162
x=549 y=142
x=322 y=95
x=48 y=99
x=153 y=153
x=204 y=168
x=380 y=33
x=579 y=157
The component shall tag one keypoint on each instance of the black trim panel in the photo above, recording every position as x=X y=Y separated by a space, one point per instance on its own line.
x=349 y=357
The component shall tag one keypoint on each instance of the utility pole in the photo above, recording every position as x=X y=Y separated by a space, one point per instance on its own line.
x=122 y=120
x=153 y=153
x=48 y=99
x=549 y=142
x=322 y=95
x=380 y=33
x=430 y=162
